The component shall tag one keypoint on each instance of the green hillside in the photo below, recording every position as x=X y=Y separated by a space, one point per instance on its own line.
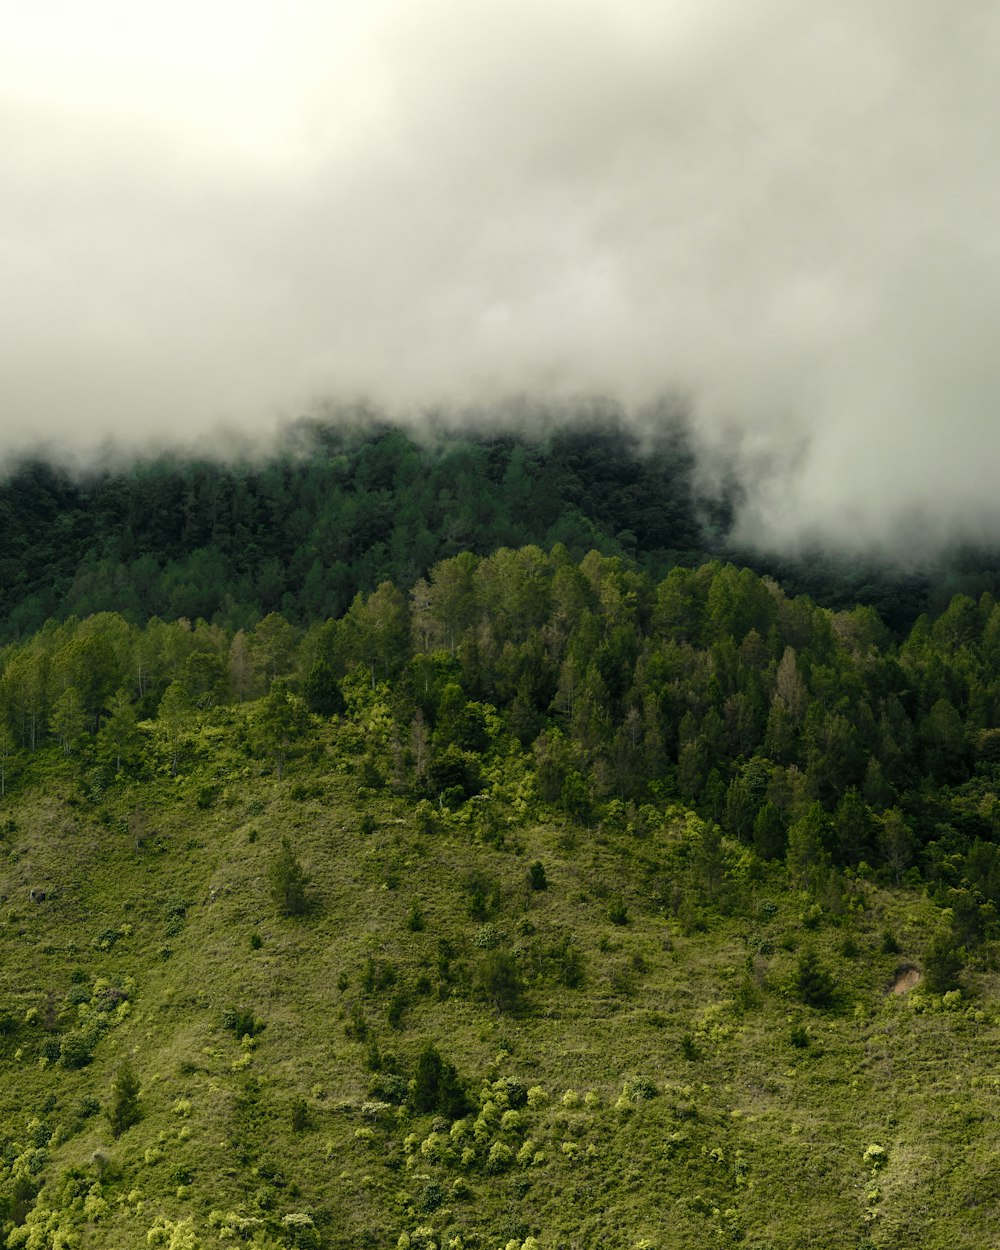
x=542 y=905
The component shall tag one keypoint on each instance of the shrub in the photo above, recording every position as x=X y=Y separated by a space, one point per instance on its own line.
x=299 y=1115
x=242 y=1022
x=536 y=876
x=490 y=937
x=689 y=1048
x=500 y=1158
x=301 y=1231
x=639 y=1089
x=432 y=1197
x=77 y=1049
x=569 y=965
x=377 y=975
x=398 y=1004
x=618 y=912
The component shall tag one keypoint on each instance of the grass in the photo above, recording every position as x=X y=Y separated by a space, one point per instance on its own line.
x=688 y=1094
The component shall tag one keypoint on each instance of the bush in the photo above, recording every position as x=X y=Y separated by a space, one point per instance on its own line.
x=618 y=912
x=242 y=1021
x=500 y=1158
x=396 y=1009
x=77 y=1050
x=689 y=1048
x=536 y=876
x=300 y=1115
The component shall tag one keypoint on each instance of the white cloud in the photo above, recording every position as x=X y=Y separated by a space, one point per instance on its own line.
x=787 y=212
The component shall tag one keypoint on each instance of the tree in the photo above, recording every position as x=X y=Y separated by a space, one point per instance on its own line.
x=322 y=690
x=288 y=882
x=282 y=720
x=123 y=1110
x=69 y=719
x=498 y=980
x=896 y=842
x=172 y=717
x=8 y=750
x=119 y=736
x=436 y=1087
x=946 y=746
x=852 y=827
x=813 y=983
x=271 y=646
x=943 y=960
x=806 y=856
x=377 y=630
x=241 y=678
x=450 y=602
x=769 y=832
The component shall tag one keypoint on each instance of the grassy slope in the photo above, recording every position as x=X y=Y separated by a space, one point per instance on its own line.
x=751 y=1138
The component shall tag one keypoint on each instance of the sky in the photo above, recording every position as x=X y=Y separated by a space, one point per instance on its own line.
x=222 y=217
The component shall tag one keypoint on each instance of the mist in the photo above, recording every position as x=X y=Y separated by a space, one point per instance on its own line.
x=782 y=217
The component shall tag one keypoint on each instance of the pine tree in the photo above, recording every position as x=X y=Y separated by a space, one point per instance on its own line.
x=288 y=882
x=123 y=1110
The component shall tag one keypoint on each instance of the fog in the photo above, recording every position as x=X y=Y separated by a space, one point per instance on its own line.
x=215 y=220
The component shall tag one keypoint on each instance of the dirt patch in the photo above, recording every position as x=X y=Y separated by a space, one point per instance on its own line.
x=905 y=979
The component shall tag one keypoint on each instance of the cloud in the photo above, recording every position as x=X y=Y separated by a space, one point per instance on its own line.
x=785 y=213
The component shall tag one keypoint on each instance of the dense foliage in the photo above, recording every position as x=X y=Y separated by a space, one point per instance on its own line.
x=543 y=904
x=806 y=733
x=341 y=509
x=346 y=506
x=528 y=896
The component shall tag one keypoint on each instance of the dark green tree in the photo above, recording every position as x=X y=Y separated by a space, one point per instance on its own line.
x=943 y=961
x=812 y=982
x=288 y=882
x=499 y=981
x=769 y=832
x=322 y=691
x=436 y=1086
x=282 y=721
x=118 y=739
x=123 y=1110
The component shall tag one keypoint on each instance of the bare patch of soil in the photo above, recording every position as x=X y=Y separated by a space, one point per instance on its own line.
x=905 y=979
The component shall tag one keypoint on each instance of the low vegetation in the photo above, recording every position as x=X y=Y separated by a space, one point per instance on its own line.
x=540 y=906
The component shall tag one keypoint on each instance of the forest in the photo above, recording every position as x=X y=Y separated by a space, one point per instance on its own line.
x=484 y=892
x=340 y=507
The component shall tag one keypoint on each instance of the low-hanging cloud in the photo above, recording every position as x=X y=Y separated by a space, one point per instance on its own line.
x=785 y=213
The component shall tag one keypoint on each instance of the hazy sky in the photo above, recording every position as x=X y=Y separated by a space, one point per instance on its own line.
x=788 y=213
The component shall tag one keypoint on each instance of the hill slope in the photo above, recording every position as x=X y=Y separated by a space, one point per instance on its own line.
x=635 y=1044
